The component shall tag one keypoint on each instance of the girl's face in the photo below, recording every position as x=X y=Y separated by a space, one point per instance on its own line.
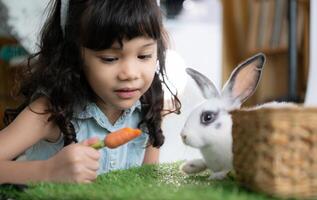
x=121 y=75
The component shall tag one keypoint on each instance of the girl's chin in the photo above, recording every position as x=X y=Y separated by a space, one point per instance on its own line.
x=118 y=104
x=123 y=105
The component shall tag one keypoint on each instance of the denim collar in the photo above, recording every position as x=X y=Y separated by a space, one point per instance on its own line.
x=93 y=111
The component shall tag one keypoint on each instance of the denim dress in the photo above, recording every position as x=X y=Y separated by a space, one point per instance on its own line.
x=92 y=122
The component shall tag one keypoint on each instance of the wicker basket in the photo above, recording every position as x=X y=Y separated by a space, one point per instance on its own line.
x=275 y=150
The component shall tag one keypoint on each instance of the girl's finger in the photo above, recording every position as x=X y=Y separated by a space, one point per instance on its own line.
x=92 y=153
x=94 y=166
x=91 y=175
x=90 y=141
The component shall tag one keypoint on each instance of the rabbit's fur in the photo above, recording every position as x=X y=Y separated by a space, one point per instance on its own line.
x=209 y=125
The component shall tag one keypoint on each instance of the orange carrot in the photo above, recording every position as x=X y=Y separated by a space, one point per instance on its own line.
x=120 y=137
x=117 y=138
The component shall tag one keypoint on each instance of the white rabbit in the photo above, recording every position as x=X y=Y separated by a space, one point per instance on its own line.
x=209 y=125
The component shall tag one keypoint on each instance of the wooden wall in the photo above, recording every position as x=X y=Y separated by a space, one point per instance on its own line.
x=238 y=37
x=7 y=82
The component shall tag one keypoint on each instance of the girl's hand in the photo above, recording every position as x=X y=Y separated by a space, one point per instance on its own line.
x=75 y=163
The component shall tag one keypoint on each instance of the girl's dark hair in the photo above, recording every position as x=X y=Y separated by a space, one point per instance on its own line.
x=57 y=69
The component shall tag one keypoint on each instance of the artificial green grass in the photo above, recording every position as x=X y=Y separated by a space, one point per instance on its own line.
x=150 y=182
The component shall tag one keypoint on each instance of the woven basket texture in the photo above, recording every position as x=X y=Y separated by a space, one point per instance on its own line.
x=275 y=150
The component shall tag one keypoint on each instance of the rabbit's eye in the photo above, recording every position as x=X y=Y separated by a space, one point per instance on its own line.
x=208 y=117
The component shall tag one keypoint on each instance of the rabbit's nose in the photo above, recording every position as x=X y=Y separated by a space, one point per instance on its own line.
x=184 y=137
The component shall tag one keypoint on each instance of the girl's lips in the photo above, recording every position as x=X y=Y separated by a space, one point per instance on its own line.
x=126 y=93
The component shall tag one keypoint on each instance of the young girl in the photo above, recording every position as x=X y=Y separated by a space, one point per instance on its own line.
x=100 y=68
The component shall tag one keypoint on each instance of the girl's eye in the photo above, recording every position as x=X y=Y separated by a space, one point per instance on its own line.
x=108 y=59
x=148 y=56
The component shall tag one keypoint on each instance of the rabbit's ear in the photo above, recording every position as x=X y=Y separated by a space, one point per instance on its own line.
x=244 y=79
x=206 y=86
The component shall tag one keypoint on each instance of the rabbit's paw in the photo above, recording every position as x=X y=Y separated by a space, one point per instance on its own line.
x=218 y=175
x=193 y=166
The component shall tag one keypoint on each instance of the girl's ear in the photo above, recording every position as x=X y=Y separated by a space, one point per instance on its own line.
x=206 y=86
x=244 y=79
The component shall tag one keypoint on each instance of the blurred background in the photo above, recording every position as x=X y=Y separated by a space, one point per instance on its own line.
x=211 y=36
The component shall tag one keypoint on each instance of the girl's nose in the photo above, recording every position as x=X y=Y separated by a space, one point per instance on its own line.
x=128 y=71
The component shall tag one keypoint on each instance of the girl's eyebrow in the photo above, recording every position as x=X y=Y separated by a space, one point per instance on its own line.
x=115 y=47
